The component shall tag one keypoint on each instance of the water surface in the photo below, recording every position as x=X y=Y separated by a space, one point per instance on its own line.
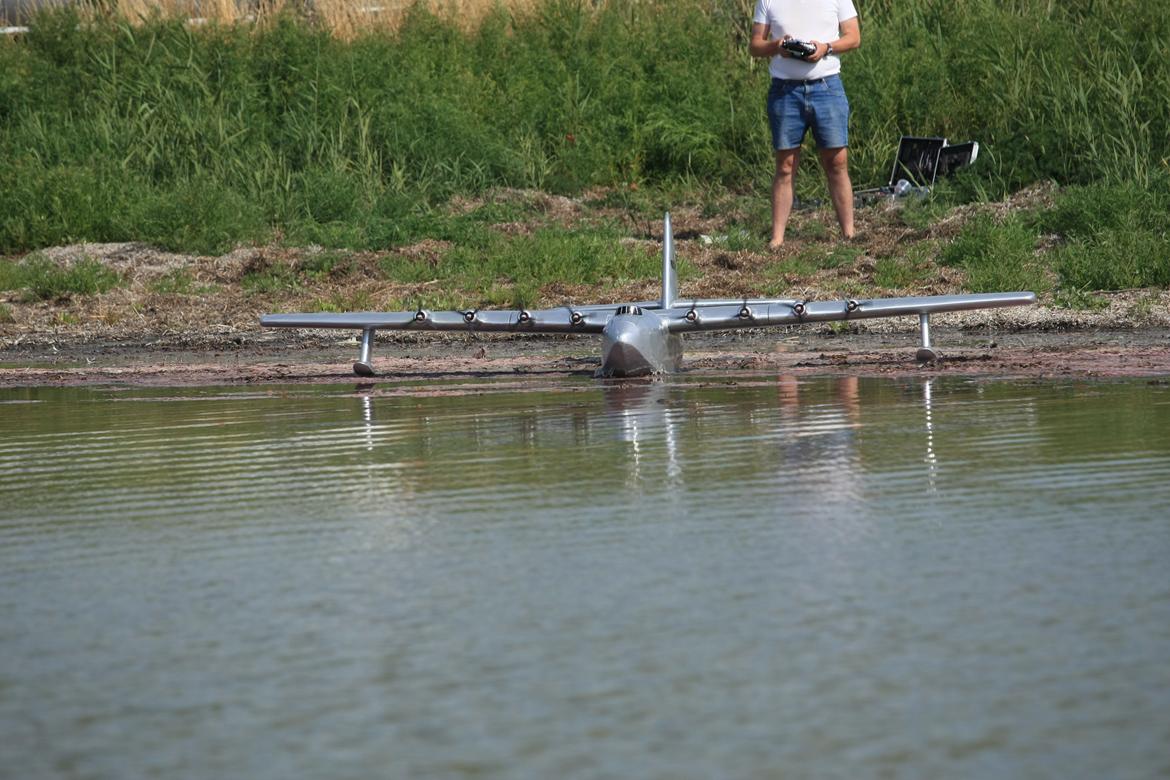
x=753 y=578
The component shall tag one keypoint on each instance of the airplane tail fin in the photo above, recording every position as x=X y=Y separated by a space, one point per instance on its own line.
x=669 y=279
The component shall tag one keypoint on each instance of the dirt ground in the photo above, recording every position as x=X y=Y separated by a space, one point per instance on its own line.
x=288 y=358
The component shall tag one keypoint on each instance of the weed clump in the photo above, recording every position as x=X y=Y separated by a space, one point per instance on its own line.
x=40 y=279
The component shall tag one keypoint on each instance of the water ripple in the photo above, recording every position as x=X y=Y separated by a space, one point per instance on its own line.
x=812 y=577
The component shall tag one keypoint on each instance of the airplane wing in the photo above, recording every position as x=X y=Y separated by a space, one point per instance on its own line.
x=590 y=318
x=698 y=315
x=584 y=319
x=703 y=316
x=640 y=337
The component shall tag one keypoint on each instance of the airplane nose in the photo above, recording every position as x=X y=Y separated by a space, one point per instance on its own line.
x=624 y=360
x=625 y=347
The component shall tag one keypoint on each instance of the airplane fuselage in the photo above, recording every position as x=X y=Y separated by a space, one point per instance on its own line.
x=636 y=342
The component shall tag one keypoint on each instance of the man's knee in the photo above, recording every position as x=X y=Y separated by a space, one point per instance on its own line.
x=835 y=161
x=786 y=162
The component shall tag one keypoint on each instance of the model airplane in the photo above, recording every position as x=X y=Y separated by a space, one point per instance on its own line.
x=645 y=337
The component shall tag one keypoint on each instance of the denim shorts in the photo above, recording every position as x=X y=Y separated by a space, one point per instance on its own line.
x=795 y=106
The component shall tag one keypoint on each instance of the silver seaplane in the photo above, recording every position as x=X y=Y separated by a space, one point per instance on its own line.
x=646 y=337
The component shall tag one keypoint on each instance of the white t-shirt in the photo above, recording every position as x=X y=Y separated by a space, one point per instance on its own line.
x=808 y=20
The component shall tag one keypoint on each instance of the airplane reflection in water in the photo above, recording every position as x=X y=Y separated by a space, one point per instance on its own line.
x=652 y=432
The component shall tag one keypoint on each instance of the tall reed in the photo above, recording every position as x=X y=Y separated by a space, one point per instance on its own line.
x=130 y=124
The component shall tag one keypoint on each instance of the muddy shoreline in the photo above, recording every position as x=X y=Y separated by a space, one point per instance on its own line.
x=314 y=358
x=182 y=320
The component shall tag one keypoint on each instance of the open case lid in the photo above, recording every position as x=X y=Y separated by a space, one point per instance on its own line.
x=956 y=156
x=917 y=160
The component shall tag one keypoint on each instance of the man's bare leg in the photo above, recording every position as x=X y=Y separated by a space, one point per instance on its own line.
x=836 y=165
x=782 y=189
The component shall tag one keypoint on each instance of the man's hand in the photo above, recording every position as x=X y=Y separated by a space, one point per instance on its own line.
x=819 y=54
x=780 y=48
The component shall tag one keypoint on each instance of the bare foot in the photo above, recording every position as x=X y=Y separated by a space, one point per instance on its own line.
x=774 y=246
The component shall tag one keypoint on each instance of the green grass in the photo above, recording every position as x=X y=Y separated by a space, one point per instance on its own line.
x=1115 y=238
x=807 y=229
x=739 y=238
x=997 y=255
x=275 y=278
x=1091 y=210
x=1070 y=92
x=901 y=273
x=40 y=279
x=1116 y=260
x=841 y=255
x=176 y=282
x=490 y=268
x=325 y=264
x=181 y=282
x=813 y=258
x=200 y=140
x=360 y=301
x=1145 y=306
x=921 y=213
x=1072 y=298
x=512 y=269
x=800 y=266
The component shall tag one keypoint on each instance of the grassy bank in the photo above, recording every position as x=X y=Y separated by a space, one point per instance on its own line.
x=199 y=139
x=522 y=248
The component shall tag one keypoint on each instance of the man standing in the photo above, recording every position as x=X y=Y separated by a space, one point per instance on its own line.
x=807 y=92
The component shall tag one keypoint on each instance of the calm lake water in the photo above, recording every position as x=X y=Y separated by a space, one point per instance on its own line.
x=677 y=579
